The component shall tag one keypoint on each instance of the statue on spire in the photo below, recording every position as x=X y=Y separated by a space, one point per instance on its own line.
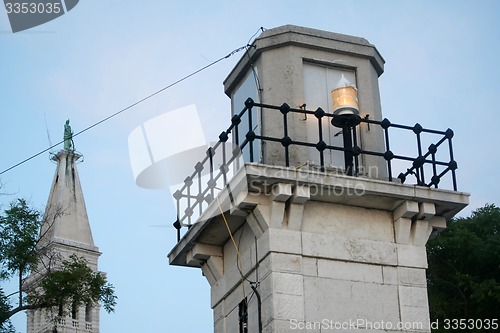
x=69 y=144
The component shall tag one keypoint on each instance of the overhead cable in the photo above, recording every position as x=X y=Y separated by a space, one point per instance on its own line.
x=128 y=107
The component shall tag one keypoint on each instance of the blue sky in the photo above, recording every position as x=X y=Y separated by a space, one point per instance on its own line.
x=441 y=71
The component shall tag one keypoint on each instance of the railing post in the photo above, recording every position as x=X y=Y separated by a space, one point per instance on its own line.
x=348 y=157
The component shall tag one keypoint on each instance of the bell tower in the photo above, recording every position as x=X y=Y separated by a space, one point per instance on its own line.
x=64 y=232
x=322 y=226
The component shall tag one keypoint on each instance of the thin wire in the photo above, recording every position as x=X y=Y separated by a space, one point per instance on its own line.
x=261 y=29
x=128 y=107
x=235 y=247
x=252 y=65
x=257 y=83
x=240 y=268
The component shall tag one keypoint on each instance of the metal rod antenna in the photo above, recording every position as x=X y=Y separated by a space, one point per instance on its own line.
x=48 y=133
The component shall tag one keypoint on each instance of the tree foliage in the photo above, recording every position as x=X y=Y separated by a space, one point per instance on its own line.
x=464 y=268
x=5 y=326
x=59 y=282
x=18 y=238
x=74 y=284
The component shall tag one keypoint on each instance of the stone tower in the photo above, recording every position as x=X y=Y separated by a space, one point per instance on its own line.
x=314 y=232
x=65 y=231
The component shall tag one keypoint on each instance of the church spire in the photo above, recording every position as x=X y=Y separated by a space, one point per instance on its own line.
x=66 y=214
x=66 y=231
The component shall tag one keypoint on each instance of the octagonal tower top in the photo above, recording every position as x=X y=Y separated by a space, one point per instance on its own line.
x=301 y=66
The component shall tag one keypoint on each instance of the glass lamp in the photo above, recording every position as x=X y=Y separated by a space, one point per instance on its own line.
x=346 y=116
x=345 y=104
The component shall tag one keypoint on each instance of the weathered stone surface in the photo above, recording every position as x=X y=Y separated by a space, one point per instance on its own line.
x=359 y=250
x=286 y=263
x=412 y=256
x=402 y=228
x=309 y=266
x=390 y=275
x=412 y=276
x=342 y=300
x=290 y=284
x=350 y=271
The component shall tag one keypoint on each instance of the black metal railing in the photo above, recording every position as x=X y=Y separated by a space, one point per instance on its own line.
x=212 y=172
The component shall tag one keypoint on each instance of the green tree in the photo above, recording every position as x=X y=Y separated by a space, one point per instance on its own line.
x=464 y=271
x=57 y=282
x=6 y=326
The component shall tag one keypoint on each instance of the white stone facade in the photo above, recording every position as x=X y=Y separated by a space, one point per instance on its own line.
x=318 y=260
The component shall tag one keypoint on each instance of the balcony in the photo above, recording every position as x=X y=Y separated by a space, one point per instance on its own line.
x=431 y=165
